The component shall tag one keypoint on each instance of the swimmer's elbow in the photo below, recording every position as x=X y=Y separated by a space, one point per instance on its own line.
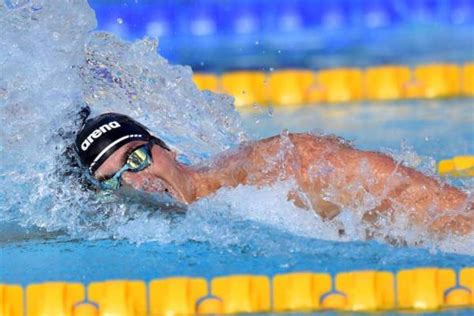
x=323 y=208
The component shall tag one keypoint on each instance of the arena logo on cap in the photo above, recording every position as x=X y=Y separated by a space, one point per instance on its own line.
x=97 y=133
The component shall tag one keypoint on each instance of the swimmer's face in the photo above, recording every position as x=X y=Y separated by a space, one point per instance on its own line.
x=157 y=177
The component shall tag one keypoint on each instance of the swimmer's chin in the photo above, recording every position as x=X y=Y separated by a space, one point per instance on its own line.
x=163 y=188
x=161 y=199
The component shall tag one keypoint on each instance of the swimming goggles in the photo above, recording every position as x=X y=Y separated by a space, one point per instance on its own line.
x=138 y=160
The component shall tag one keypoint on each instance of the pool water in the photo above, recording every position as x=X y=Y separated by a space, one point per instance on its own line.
x=211 y=241
x=431 y=128
x=52 y=229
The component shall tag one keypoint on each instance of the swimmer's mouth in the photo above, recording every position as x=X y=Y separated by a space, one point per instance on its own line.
x=168 y=191
x=160 y=200
x=161 y=186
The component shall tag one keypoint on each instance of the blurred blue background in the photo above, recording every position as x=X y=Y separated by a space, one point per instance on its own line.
x=220 y=35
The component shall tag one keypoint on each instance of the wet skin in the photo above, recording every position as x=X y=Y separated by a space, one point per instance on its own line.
x=320 y=166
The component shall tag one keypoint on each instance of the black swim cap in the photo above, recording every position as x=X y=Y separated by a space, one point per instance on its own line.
x=101 y=136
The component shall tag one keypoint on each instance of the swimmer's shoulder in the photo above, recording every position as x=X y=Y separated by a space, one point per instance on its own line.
x=319 y=140
x=303 y=142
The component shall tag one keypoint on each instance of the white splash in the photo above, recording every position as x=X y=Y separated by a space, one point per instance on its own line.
x=52 y=64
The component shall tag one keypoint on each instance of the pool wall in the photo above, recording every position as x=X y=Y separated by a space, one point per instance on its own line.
x=258 y=34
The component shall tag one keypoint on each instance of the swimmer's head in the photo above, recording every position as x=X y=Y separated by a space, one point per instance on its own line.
x=101 y=136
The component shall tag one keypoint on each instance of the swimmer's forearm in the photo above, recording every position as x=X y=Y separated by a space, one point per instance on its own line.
x=403 y=189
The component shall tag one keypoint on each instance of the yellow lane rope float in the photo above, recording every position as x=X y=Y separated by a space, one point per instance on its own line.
x=459 y=166
x=298 y=86
x=419 y=289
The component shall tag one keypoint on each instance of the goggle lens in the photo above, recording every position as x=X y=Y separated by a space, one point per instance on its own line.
x=137 y=160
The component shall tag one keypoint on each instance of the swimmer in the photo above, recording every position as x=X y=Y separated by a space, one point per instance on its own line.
x=118 y=151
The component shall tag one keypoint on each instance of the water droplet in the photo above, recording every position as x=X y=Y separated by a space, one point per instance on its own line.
x=270 y=111
x=119 y=21
x=257 y=43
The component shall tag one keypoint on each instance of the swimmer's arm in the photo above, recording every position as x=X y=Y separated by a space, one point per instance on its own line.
x=314 y=202
x=403 y=189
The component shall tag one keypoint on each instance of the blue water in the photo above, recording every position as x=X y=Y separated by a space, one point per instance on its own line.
x=433 y=128
x=72 y=260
